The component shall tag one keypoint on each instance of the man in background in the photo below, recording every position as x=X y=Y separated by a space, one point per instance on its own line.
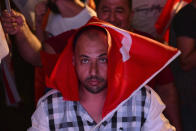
x=183 y=37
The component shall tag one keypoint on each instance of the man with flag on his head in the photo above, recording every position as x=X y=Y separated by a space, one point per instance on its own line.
x=99 y=83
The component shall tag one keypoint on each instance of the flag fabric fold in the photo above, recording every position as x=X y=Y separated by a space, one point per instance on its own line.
x=133 y=60
x=170 y=9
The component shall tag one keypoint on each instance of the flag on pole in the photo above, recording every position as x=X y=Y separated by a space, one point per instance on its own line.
x=4 y=50
x=27 y=7
x=170 y=9
x=11 y=93
x=133 y=60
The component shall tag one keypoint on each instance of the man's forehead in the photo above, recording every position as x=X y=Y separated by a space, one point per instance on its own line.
x=91 y=33
x=92 y=37
x=125 y=3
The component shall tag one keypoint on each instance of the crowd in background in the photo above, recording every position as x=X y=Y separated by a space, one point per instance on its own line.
x=45 y=24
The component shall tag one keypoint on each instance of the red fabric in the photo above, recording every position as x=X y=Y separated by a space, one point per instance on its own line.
x=48 y=62
x=45 y=19
x=165 y=16
x=39 y=83
x=58 y=42
x=125 y=74
x=165 y=76
x=163 y=22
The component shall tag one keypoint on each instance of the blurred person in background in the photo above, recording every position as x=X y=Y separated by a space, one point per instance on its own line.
x=183 y=36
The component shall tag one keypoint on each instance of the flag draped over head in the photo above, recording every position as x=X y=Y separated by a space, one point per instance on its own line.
x=133 y=60
x=170 y=9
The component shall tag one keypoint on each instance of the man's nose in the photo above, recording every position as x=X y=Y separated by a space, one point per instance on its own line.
x=112 y=17
x=93 y=68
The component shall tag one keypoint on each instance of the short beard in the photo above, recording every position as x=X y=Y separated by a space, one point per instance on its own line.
x=52 y=6
x=99 y=89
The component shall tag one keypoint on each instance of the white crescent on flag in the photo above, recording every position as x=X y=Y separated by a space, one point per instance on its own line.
x=126 y=42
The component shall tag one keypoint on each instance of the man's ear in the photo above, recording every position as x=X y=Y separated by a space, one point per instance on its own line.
x=73 y=60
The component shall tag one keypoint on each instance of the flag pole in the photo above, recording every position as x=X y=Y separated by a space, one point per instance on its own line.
x=11 y=92
x=8 y=6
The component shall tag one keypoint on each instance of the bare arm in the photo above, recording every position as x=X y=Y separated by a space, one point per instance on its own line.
x=29 y=46
x=188 y=56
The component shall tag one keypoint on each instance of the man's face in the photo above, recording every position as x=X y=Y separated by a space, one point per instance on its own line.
x=91 y=62
x=116 y=12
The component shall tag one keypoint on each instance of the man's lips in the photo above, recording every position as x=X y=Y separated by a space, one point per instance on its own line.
x=93 y=82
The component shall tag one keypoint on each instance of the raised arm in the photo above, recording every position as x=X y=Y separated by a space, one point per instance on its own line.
x=28 y=45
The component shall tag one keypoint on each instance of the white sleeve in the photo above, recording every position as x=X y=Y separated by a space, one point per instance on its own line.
x=155 y=120
x=39 y=119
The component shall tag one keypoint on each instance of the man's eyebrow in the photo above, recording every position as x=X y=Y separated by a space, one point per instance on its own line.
x=119 y=7
x=104 y=7
x=104 y=54
x=84 y=56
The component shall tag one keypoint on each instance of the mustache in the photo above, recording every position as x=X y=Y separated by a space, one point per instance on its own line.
x=94 y=78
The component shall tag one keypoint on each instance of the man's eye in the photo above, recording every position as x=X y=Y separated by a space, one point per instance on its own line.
x=105 y=10
x=84 y=61
x=120 y=10
x=103 y=60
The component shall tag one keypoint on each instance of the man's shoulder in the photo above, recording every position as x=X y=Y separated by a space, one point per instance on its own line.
x=144 y=90
x=51 y=96
x=142 y=96
x=186 y=12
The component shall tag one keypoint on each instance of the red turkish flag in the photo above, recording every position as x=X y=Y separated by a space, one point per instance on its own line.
x=133 y=60
x=170 y=9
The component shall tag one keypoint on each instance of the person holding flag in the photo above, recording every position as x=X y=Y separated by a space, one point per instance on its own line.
x=98 y=83
x=64 y=16
x=183 y=37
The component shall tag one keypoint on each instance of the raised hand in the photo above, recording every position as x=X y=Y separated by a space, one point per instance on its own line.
x=12 y=22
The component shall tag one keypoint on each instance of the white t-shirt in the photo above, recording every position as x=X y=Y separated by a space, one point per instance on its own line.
x=57 y=24
x=146 y=13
